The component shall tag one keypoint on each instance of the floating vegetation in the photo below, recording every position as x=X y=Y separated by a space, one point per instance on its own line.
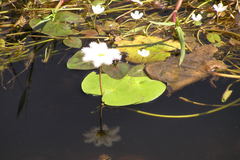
x=139 y=48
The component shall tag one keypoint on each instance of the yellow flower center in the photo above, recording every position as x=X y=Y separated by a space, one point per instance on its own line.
x=101 y=54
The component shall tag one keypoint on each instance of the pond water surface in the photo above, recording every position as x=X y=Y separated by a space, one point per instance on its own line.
x=58 y=113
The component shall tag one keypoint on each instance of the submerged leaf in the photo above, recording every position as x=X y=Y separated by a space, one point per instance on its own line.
x=117 y=71
x=73 y=42
x=137 y=71
x=158 y=48
x=76 y=62
x=126 y=91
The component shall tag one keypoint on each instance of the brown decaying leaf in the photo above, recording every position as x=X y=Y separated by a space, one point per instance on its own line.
x=196 y=66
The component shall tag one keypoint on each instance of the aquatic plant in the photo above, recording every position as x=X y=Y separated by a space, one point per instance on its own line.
x=146 y=37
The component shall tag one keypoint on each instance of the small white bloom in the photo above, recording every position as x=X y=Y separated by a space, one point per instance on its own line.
x=136 y=15
x=98 y=9
x=137 y=1
x=219 y=7
x=196 y=17
x=99 y=54
x=143 y=52
x=102 y=137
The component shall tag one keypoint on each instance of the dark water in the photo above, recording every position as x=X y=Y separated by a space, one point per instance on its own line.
x=58 y=113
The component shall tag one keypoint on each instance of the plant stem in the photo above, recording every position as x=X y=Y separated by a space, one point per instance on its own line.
x=102 y=104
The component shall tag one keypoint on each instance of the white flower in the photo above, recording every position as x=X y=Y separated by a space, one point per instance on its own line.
x=136 y=15
x=99 y=53
x=196 y=17
x=102 y=137
x=98 y=9
x=143 y=52
x=219 y=7
x=137 y=1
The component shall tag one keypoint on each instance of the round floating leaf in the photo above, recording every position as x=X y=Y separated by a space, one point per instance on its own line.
x=158 y=48
x=213 y=37
x=126 y=91
x=66 y=16
x=76 y=62
x=137 y=71
x=116 y=71
x=73 y=42
x=53 y=28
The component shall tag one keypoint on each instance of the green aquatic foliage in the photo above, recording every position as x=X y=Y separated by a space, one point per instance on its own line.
x=98 y=2
x=54 y=28
x=56 y=24
x=73 y=42
x=182 y=43
x=116 y=71
x=159 y=49
x=126 y=91
x=137 y=71
x=66 y=16
x=76 y=62
x=215 y=39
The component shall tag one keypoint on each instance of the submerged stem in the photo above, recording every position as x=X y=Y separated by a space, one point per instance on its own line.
x=188 y=115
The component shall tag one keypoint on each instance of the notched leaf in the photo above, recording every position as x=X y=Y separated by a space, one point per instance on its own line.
x=125 y=91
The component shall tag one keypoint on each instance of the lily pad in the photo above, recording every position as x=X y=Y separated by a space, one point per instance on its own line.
x=53 y=28
x=66 y=16
x=76 y=62
x=116 y=71
x=158 y=48
x=73 y=42
x=215 y=39
x=126 y=91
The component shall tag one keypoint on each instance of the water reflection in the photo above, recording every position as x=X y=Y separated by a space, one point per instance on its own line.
x=105 y=136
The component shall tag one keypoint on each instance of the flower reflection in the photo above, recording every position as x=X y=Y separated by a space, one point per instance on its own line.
x=106 y=136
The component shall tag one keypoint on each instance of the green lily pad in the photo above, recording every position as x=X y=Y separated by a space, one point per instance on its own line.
x=73 y=42
x=126 y=91
x=158 y=48
x=53 y=28
x=116 y=71
x=215 y=39
x=66 y=16
x=76 y=62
